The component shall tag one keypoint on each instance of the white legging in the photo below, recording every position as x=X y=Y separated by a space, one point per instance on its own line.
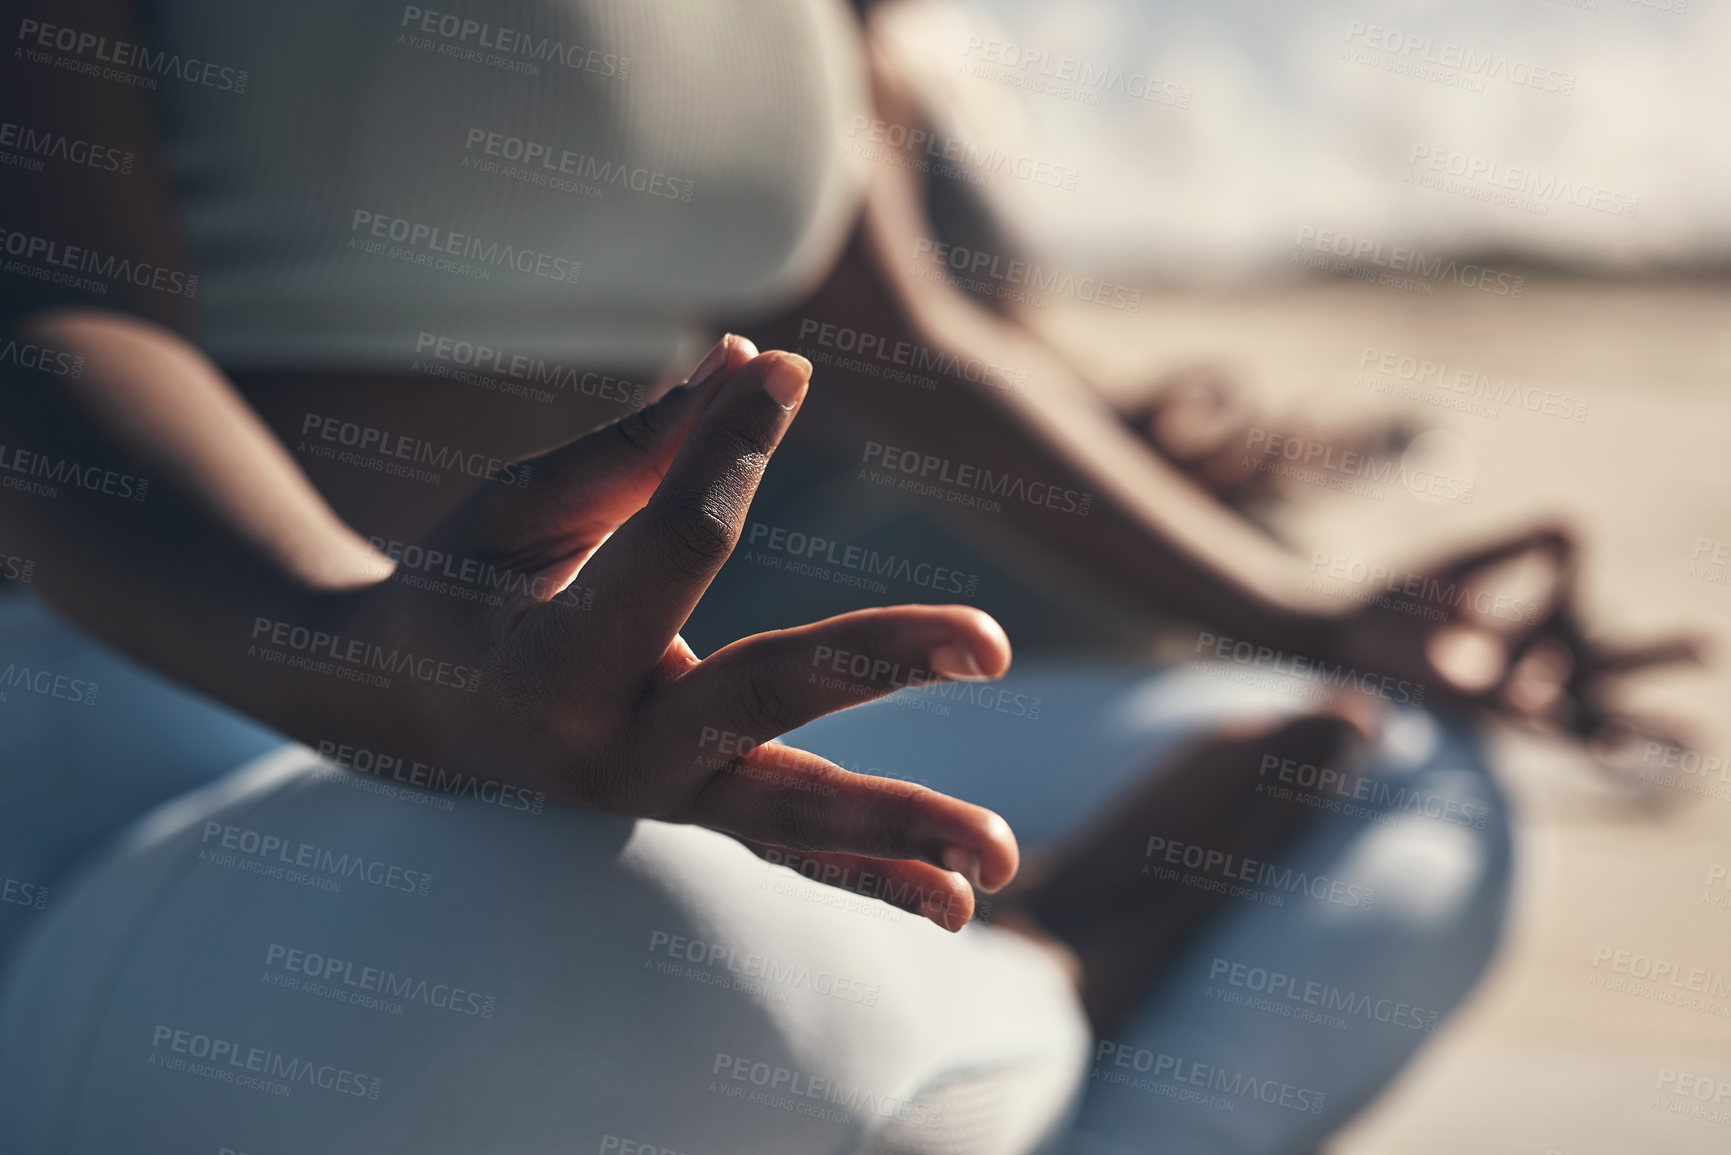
x=295 y=959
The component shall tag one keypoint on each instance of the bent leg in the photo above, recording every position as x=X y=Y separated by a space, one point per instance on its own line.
x=87 y=745
x=1309 y=987
x=1320 y=977
x=284 y=962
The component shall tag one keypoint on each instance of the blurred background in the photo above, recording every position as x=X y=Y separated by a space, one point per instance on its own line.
x=1502 y=228
x=1272 y=116
x=1577 y=147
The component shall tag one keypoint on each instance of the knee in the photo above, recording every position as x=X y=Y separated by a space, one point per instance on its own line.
x=1440 y=840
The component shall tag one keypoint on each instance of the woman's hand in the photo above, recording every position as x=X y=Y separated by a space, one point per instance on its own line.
x=1474 y=633
x=586 y=691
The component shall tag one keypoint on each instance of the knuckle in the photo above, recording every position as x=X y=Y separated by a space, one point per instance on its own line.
x=794 y=820
x=697 y=540
x=765 y=708
x=747 y=442
x=606 y=782
x=638 y=430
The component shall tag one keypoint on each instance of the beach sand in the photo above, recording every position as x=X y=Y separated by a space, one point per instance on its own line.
x=1541 y=1060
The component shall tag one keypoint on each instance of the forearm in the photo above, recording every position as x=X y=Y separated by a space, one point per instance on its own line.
x=1004 y=401
x=164 y=518
x=1150 y=538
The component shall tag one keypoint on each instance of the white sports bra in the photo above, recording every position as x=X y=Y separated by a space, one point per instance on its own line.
x=581 y=180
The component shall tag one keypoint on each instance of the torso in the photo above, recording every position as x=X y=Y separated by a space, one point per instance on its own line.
x=572 y=181
x=605 y=180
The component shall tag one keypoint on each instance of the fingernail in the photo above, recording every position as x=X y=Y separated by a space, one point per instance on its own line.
x=715 y=359
x=954 y=660
x=786 y=378
x=941 y=910
x=964 y=862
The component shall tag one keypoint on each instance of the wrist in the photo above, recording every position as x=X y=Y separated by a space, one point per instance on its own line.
x=331 y=672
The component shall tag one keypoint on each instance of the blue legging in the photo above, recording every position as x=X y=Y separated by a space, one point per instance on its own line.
x=399 y=971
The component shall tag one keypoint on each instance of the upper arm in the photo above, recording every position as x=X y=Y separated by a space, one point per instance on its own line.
x=95 y=184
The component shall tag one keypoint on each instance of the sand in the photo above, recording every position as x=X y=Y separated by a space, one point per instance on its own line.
x=1541 y=1060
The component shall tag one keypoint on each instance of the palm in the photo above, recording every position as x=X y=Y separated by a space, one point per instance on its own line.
x=588 y=693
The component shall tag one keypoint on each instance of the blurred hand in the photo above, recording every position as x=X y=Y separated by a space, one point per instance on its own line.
x=1453 y=626
x=1204 y=426
x=587 y=691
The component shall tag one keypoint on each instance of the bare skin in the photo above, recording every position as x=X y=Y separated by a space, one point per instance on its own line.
x=1112 y=924
x=1198 y=421
x=1155 y=542
x=236 y=531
